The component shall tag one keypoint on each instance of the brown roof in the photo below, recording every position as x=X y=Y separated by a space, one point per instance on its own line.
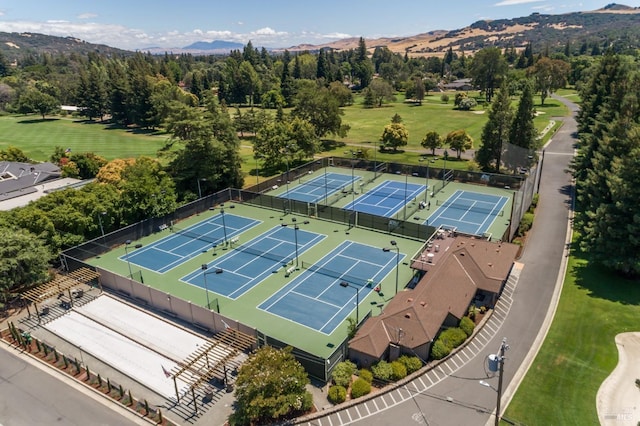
x=460 y=266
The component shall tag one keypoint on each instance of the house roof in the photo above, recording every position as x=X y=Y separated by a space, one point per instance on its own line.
x=460 y=266
x=18 y=177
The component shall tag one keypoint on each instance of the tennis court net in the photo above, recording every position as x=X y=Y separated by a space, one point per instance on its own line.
x=330 y=184
x=493 y=211
x=351 y=279
x=265 y=254
x=195 y=235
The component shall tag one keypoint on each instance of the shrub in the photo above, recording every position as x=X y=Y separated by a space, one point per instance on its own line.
x=337 y=394
x=359 y=388
x=411 y=363
x=525 y=223
x=467 y=103
x=439 y=350
x=467 y=325
x=453 y=337
x=444 y=98
x=342 y=373
x=534 y=201
x=382 y=370
x=365 y=375
x=399 y=371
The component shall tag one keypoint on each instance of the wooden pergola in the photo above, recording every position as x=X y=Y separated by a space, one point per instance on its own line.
x=59 y=285
x=213 y=360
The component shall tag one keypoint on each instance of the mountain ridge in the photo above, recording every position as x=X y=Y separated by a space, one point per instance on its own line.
x=614 y=23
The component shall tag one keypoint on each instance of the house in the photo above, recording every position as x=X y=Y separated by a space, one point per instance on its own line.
x=464 y=84
x=21 y=183
x=456 y=271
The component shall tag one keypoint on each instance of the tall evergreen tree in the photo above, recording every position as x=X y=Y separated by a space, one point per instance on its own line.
x=523 y=132
x=495 y=133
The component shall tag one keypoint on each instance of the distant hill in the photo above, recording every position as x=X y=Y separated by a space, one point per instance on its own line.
x=16 y=45
x=218 y=45
x=614 y=23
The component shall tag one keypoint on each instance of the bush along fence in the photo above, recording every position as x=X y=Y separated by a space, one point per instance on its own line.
x=82 y=373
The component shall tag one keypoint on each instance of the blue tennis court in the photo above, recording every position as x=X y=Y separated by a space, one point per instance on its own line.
x=320 y=187
x=245 y=266
x=468 y=212
x=180 y=246
x=317 y=299
x=387 y=198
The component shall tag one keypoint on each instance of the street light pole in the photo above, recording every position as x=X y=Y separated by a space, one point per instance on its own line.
x=357 y=289
x=126 y=246
x=503 y=348
x=387 y=249
x=206 y=288
x=445 y=155
x=496 y=364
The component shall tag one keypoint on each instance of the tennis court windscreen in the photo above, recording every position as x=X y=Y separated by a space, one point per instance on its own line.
x=351 y=279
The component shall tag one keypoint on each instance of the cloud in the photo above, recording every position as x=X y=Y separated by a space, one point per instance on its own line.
x=87 y=15
x=137 y=39
x=515 y=2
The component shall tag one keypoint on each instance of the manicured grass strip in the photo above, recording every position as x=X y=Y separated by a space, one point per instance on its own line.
x=579 y=351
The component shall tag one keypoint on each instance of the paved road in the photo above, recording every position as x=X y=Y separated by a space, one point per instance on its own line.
x=31 y=396
x=451 y=394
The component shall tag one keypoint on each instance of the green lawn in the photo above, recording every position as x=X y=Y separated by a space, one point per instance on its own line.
x=38 y=138
x=579 y=351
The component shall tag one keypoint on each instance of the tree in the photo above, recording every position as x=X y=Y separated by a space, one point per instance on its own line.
x=549 y=75
x=394 y=136
x=25 y=260
x=495 y=133
x=93 y=94
x=270 y=387
x=33 y=100
x=523 y=132
x=488 y=68
x=459 y=141
x=432 y=140
x=363 y=68
x=320 y=108
x=606 y=183
x=382 y=91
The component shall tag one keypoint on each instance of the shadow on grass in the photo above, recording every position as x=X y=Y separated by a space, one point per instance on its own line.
x=605 y=283
x=37 y=120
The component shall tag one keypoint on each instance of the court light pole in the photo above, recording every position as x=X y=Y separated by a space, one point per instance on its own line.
x=126 y=251
x=224 y=226
x=445 y=155
x=357 y=289
x=199 y=189
x=388 y=249
x=295 y=234
x=104 y=241
x=206 y=288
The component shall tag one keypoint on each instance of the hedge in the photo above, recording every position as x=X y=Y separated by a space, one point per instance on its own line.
x=337 y=394
x=411 y=363
x=382 y=370
x=359 y=388
x=399 y=371
x=467 y=325
x=365 y=375
x=342 y=373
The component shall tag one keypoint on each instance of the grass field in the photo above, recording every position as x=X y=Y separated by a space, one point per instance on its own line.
x=38 y=138
x=579 y=352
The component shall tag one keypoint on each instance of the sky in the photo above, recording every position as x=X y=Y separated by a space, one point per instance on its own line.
x=141 y=24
